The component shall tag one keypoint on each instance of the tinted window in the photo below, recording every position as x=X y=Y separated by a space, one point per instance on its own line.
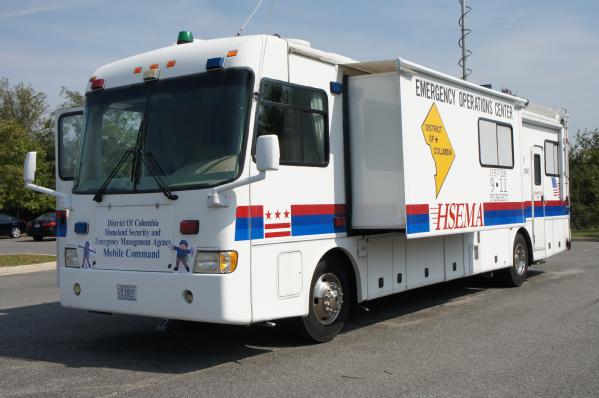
x=537 y=167
x=69 y=136
x=299 y=117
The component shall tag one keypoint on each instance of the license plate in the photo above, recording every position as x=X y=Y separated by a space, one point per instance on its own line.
x=126 y=292
x=37 y=225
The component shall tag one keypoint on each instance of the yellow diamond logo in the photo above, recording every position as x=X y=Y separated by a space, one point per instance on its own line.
x=437 y=139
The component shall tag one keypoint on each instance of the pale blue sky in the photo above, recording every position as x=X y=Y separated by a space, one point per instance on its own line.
x=546 y=51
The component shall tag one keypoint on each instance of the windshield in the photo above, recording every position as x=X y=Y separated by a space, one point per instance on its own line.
x=194 y=130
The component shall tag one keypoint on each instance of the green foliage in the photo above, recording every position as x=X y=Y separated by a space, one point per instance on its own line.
x=27 y=125
x=584 y=179
x=14 y=198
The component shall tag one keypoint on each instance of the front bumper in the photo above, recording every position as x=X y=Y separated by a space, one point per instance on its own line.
x=216 y=298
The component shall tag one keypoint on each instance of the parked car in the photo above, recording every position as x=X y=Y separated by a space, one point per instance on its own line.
x=11 y=226
x=44 y=225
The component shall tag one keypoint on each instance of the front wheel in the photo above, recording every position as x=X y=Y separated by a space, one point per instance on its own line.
x=516 y=274
x=330 y=299
x=15 y=232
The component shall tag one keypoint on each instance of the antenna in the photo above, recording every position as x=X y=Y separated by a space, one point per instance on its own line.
x=462 y=42
x=249 y=18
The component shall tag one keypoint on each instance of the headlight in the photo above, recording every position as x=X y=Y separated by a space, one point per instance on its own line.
x=70 y=257
x=223 y=262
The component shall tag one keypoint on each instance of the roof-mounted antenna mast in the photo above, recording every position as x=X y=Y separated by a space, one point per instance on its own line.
x=462 y=42
x=249 y=18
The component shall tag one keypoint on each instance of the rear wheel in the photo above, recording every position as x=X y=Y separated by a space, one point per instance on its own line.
x=15 y=232
x=38 y=237
x=516 y=274
x=330 y=298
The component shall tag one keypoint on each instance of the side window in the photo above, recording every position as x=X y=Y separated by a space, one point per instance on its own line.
x=70 y=126
x=551 y=159
x=537 y=166
x=495 y=142
x=299 y=117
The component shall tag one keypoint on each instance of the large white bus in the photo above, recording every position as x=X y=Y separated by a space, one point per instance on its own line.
x=254 y=178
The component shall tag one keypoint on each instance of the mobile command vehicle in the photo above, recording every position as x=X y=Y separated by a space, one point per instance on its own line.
x=248 y=179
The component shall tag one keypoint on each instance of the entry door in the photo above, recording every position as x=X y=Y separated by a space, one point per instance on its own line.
x=538 y=199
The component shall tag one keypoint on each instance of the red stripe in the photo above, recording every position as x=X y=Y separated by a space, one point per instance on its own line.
x=503 y=206
x=277 y=234
x=249 y=211
x=555 y=203
x=417 y=209
x=306 y=210
x=277 y=225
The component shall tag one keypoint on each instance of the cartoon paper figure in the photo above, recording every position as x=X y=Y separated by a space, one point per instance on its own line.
x=88 y=252
x=182 y=253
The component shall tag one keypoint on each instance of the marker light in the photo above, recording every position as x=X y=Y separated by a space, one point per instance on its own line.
x=81 y=227
x=98 y=84
x=215 y=63
x=70 y=257
x=189 y=227
x=232 y=53
x=336 y=88
x=171 y=63
x=215 y=262
x=154 y=66
x=137 y=70
x=184 y=37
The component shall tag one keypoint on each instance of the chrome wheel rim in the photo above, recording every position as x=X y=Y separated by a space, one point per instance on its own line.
x=15 y=232
x=327 y=298
x=520 y=258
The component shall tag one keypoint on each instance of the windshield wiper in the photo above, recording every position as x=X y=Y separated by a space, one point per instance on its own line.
x=100 y=192
x=156 y=172
x=152 y=166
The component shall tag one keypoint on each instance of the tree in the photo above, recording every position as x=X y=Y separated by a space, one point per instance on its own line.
x=14 y=198
x=584 y=180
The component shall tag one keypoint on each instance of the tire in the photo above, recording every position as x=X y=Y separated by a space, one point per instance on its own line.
x=38 y=237
x=515 y=275
x=15 y=232
x=330 y=299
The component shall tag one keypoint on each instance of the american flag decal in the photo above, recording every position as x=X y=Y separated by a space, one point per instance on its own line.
x=555 y=185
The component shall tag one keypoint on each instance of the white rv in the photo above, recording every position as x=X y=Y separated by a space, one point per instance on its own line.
x=254 y=178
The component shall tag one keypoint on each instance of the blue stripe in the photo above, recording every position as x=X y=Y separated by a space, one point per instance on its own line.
x=556 y=211
x=418 y=223
x=499 y=217
x=242 y=228
x=314 y=224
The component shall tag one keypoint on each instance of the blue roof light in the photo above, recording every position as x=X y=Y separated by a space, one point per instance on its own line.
x=215 y=63
x=336 y=88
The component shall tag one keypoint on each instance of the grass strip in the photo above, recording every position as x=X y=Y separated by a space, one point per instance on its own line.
x=12 y=260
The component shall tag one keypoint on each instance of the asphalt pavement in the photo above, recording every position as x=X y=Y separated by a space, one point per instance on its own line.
x=27 y=245
x=469 y=337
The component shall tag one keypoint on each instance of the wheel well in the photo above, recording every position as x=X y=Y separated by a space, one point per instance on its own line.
x=343 y=258
x=524 y=233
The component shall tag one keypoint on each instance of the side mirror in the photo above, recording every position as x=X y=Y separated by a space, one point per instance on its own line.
x=29 y=167
x=267 y=153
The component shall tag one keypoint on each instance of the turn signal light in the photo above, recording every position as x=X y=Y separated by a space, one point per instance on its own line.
x=189 y=227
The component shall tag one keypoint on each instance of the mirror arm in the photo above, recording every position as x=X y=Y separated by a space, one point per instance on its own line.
x=217 y=196
x=63 y=197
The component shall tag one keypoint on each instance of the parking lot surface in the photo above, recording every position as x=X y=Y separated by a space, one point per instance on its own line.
x=464 y=338
x=26 y=244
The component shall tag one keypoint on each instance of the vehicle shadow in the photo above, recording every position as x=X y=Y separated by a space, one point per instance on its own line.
x=74 y=338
